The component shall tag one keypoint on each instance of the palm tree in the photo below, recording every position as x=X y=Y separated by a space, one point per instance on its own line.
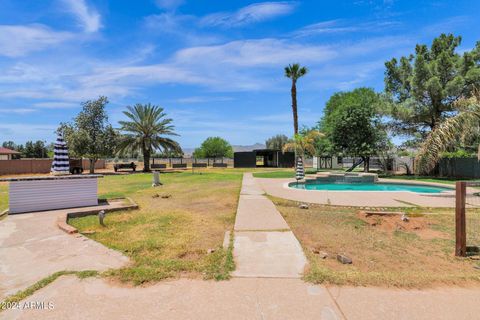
x=146 y=131
x=452 y=130
x=294 y=72
x=303 y=143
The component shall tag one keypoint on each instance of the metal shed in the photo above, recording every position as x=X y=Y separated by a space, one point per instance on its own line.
x=28 y=194
x=267 y=158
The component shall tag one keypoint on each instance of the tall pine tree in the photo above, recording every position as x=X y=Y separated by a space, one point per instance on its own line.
x=425 y=86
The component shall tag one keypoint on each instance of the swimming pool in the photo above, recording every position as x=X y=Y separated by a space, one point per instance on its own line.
x=328 y=186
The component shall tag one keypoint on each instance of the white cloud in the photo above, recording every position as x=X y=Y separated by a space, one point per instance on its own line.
x=140 y=74
x=323 y=27
x=253 y=13
x=20 y=40
x=261 y=53
x=56 y=105
x=168 y=22
x=21 y=132
x=237 y=66
x=14 y=110
x=88 y=18
x=181 y=28
x=340 y=26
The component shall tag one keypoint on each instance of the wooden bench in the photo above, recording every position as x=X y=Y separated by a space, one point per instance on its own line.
x=179 y=165
x=158 y=166
x=199 y=165
x=220 y=165
x=130 y=165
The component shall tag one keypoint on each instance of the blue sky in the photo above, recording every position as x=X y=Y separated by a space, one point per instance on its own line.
x=215 y=66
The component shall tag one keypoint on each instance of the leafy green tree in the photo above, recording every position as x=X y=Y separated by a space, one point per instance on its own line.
x=20 y=148
x=214 y=147
x=294 y=72
x=198 y=153
x=424 y=86
x=9 y=145
x=352 y=124
x=29 y=151
x=276 y=142
x=303 y=143
x=40 y=150
x=90 y=135
x=147 y=130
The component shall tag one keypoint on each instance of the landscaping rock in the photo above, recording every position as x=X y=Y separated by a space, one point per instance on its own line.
x=303 y=206
x=344 y=259
x=156 y=195
x=210 y=251
x=405 y=218
x=166 y=196
x=323 y=255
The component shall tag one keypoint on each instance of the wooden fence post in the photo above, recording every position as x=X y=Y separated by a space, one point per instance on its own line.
x=460 y=223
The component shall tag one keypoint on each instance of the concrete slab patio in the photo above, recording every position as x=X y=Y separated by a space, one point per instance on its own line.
x=32 y=247
x=264 y=246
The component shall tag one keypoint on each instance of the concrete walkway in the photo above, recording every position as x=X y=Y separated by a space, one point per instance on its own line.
x=244 y=298
x=264 y=245
x=32 y=247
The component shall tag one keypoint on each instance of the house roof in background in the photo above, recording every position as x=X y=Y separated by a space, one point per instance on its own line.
x=8 y=151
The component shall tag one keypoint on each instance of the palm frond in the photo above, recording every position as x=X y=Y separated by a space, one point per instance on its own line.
x=295 y=71
x=448 y=133
x=146 y=129
x=302 y=143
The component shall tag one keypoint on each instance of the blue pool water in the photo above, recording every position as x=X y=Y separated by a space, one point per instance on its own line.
x=368 y=187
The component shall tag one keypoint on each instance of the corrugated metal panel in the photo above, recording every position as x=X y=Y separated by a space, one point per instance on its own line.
x=38 y=195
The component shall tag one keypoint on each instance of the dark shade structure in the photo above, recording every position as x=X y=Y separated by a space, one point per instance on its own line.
x=267 y=158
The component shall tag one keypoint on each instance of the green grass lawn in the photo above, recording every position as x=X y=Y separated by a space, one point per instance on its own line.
x=383 y=253
x=170 y=237
x=3 y=196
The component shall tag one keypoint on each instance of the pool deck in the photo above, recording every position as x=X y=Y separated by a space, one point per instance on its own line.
x=279 y=188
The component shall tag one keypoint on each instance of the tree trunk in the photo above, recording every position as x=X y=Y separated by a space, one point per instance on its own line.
x=146 y=160
x=366 y=164
x=92 y=165
x=294 y=107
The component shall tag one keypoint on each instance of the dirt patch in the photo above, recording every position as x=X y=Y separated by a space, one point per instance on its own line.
x=393 y=221
x=418 y=258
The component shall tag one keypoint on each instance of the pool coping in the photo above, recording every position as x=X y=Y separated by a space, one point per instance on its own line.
x=451 y=188
x=384 y=199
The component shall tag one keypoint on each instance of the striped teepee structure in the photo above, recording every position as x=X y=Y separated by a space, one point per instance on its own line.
x=300 y=172
x=60 y=164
